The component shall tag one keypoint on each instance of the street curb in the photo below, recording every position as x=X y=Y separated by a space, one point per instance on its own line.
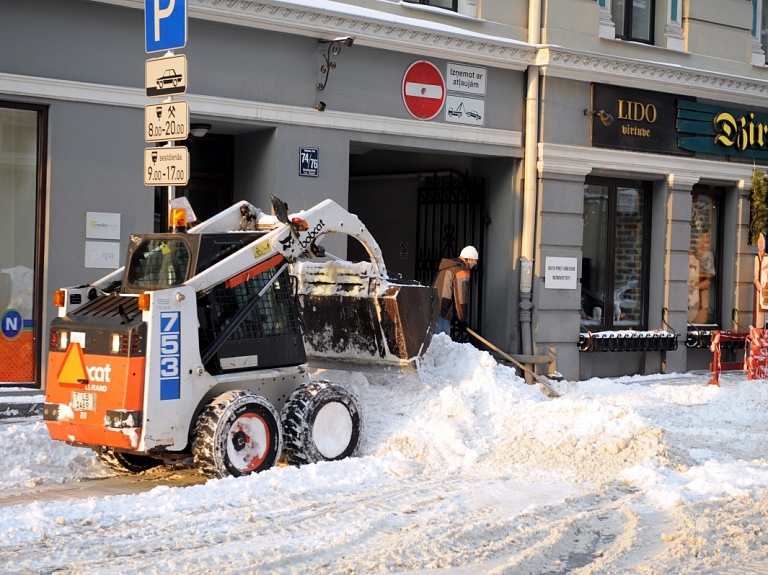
x=19 y=410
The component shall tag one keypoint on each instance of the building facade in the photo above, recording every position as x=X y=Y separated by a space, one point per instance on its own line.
x=586 y=147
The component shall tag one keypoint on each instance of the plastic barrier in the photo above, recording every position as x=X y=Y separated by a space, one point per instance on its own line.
x=727 y=340
x=756 y=363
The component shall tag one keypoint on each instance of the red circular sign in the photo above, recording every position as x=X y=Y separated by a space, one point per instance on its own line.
x=423 y=90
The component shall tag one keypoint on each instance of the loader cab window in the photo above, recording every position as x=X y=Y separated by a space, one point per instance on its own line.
x=158 y=264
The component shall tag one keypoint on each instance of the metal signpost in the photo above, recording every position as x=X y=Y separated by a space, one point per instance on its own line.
x=166 y=29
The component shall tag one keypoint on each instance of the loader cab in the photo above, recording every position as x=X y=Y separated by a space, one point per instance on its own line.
x=269 y=336
x=160 y=261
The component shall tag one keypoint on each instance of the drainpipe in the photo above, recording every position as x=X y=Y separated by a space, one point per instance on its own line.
x=530 y=184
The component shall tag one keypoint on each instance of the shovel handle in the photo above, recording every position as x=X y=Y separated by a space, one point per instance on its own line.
x=543 y=381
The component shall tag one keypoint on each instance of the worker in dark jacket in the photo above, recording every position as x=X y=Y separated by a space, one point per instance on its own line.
x=452 y=285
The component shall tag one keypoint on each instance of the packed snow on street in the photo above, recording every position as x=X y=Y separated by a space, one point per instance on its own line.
x=464 y=468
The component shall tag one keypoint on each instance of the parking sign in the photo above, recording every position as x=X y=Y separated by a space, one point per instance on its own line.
x=165 y=24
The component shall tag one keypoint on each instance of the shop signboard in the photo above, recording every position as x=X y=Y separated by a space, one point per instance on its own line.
x=634 y=120
x=723 y=130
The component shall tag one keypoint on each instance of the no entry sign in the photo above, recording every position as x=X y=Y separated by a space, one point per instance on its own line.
x=423 y=90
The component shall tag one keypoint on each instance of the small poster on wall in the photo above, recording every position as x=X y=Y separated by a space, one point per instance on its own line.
x=102 y=255
x=102 y=226
x=560 y=273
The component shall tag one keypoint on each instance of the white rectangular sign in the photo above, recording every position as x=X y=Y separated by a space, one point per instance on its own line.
x=166 y=122
x=560 y=273
x=102 y=255
x=463 y=78
x=166 y=166
x=463 y=110
x=102 y=226
x=166 y=76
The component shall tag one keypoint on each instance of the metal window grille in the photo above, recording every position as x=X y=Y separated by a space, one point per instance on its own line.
x=273 y=315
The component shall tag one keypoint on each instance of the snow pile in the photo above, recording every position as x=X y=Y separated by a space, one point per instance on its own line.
x=465 y=411
x=31 y=458
x=463 y=468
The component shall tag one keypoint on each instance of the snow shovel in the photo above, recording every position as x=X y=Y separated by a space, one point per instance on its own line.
x=545 y=385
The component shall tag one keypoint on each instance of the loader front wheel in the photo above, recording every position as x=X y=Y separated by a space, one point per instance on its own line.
x=126 y=462
x=237 y=434
x=321 y=422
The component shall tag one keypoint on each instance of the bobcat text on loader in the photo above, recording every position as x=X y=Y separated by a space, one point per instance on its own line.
x=198 y=347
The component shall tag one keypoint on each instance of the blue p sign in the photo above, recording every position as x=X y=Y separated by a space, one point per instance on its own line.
x=165 y=24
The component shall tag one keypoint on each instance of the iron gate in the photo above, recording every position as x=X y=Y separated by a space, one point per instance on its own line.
x=451 y=215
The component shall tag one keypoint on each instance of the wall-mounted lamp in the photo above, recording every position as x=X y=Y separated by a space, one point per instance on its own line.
x=334 y=47
x=199 y=130
x=604 y=116
x=320 y=107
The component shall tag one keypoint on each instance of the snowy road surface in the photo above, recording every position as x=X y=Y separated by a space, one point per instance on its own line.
x=464 y=469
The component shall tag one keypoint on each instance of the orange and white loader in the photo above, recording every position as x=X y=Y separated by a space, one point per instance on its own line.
x=200 y=346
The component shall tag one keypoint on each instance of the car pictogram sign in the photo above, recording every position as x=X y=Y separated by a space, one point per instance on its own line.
x=423 y=90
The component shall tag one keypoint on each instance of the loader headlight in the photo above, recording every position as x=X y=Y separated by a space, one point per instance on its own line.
x=63 y=339
x=115 y=343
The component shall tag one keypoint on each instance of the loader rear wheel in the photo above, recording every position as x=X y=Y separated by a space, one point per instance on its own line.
x=237 y=434
x=321 y=422
x=126 y=462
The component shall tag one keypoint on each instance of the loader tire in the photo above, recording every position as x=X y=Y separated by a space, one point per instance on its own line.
x=321 y=422
x=237 y=434
x=126 y=462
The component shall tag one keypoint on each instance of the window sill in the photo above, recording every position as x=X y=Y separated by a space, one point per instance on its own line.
x=436 y=10
x=633 y=43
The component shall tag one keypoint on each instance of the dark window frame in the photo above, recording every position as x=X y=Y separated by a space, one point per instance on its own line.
x=613 y=184
x=629 y=11
x=40 y=229
x=454 y=4
x=717 y=247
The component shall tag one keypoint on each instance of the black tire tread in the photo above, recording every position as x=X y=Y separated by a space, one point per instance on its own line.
x=295 y=419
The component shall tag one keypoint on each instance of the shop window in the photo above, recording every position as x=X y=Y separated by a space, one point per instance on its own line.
x=704 y=256
x=615 y=255
x=634 y=19
x=22 y=169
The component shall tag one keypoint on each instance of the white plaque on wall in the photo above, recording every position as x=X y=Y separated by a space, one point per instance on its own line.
x=102 y=226
x=102 y=255
x=560 y=273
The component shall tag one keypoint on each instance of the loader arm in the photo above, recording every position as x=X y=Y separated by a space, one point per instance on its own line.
x=288 y=242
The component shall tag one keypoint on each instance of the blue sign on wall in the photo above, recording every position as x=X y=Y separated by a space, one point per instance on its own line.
x=309 y=165
x=165 y=24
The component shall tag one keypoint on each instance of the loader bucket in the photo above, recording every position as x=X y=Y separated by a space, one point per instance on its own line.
x=349 y=313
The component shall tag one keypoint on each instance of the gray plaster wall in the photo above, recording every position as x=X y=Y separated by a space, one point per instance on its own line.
x=91 y=169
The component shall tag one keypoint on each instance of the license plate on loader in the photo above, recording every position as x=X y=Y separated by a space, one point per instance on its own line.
x=83 y=401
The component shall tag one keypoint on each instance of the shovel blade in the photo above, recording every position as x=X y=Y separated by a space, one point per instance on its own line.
x=351 y=315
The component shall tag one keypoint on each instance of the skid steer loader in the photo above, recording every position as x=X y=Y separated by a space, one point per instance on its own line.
x=198 y=346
